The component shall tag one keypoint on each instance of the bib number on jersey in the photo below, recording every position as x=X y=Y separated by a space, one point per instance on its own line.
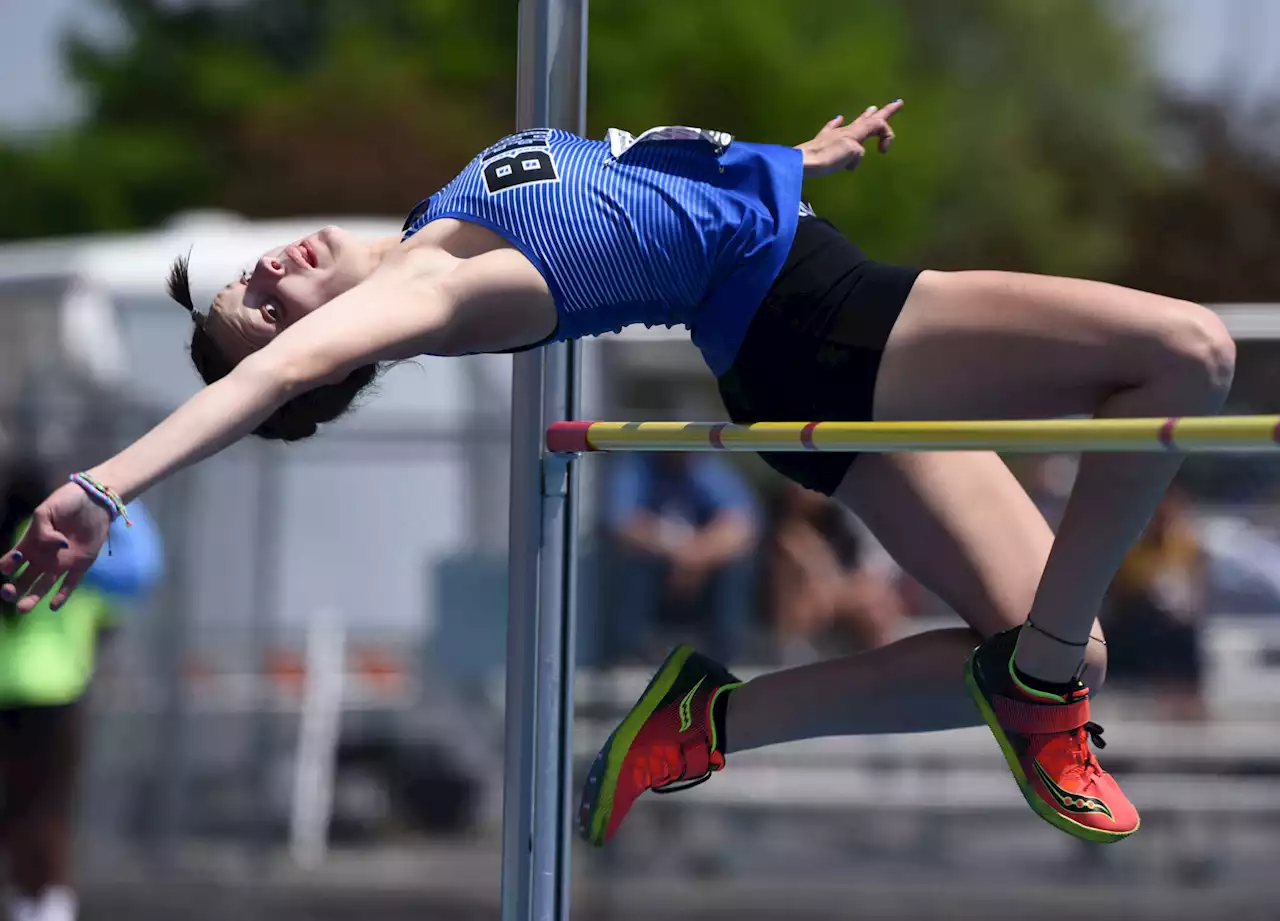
x=518 y=160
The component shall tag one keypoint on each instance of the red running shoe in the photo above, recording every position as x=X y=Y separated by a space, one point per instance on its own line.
x=667 y=743
x=1046 y=742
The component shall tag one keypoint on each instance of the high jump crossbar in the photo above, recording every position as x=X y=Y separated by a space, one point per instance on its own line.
x=1190 y=435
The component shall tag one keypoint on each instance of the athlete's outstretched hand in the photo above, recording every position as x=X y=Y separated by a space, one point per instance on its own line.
x=66 y=534
x=841 y=147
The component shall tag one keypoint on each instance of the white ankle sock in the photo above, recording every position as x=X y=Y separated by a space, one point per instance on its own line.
x=57 y=903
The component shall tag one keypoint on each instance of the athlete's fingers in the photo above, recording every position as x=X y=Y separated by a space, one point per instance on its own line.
x=39 y=546
x=10 y=562
x=892 y=109
x=886 y=139
x=32 y=599
x=877 y=127
x=9 y=585
x=854 y=155
x=24 y=589
x=22 y=582
x=69 y=585
x=834 y=123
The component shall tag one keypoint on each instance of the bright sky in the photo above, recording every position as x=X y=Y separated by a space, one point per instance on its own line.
x=1197 y=43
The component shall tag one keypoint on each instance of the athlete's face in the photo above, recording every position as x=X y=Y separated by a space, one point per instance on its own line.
x=285 y=285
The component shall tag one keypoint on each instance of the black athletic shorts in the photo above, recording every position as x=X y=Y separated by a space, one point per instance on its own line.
x=813 y=349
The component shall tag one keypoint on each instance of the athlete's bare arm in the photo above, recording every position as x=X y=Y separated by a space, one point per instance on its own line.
x=490 y=301
x=494 y=300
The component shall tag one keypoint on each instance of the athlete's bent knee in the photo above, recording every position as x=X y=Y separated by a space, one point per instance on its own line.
x=1200 y=354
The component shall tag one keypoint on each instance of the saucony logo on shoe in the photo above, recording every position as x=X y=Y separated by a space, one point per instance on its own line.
x=1073 y=802
x=686 y=706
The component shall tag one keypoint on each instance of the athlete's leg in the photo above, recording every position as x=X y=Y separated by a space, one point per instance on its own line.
x=972 y=345
x=959 y=520
x=962 y=524
x=993 y=344
x=990 y=344
x=980 y=345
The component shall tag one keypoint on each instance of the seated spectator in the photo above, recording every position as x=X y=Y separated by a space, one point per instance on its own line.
x=1155 y=611
x=683 y=530
x=823 y=592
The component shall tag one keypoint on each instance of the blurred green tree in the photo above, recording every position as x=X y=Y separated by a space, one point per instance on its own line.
x=1211 y=231
x=267 y=107
x=1026 y=137
x=1026 y=130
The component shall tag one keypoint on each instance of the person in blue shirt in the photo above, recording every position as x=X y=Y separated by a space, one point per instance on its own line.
x=683 y=530
x=545 y=236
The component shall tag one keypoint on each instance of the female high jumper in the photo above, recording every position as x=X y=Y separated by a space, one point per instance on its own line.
x=547 y=236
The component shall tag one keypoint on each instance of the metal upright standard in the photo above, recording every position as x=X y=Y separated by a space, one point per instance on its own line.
x=539 y=693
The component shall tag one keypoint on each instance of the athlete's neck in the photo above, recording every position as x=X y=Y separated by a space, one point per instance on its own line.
x=381 y=247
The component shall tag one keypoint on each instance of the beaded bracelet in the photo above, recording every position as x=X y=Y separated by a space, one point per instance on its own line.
x=105 y=496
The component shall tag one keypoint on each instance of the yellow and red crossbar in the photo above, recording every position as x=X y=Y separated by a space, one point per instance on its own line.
x=1191 y=434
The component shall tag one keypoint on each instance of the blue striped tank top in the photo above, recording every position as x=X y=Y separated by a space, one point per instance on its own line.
x=676 y=227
